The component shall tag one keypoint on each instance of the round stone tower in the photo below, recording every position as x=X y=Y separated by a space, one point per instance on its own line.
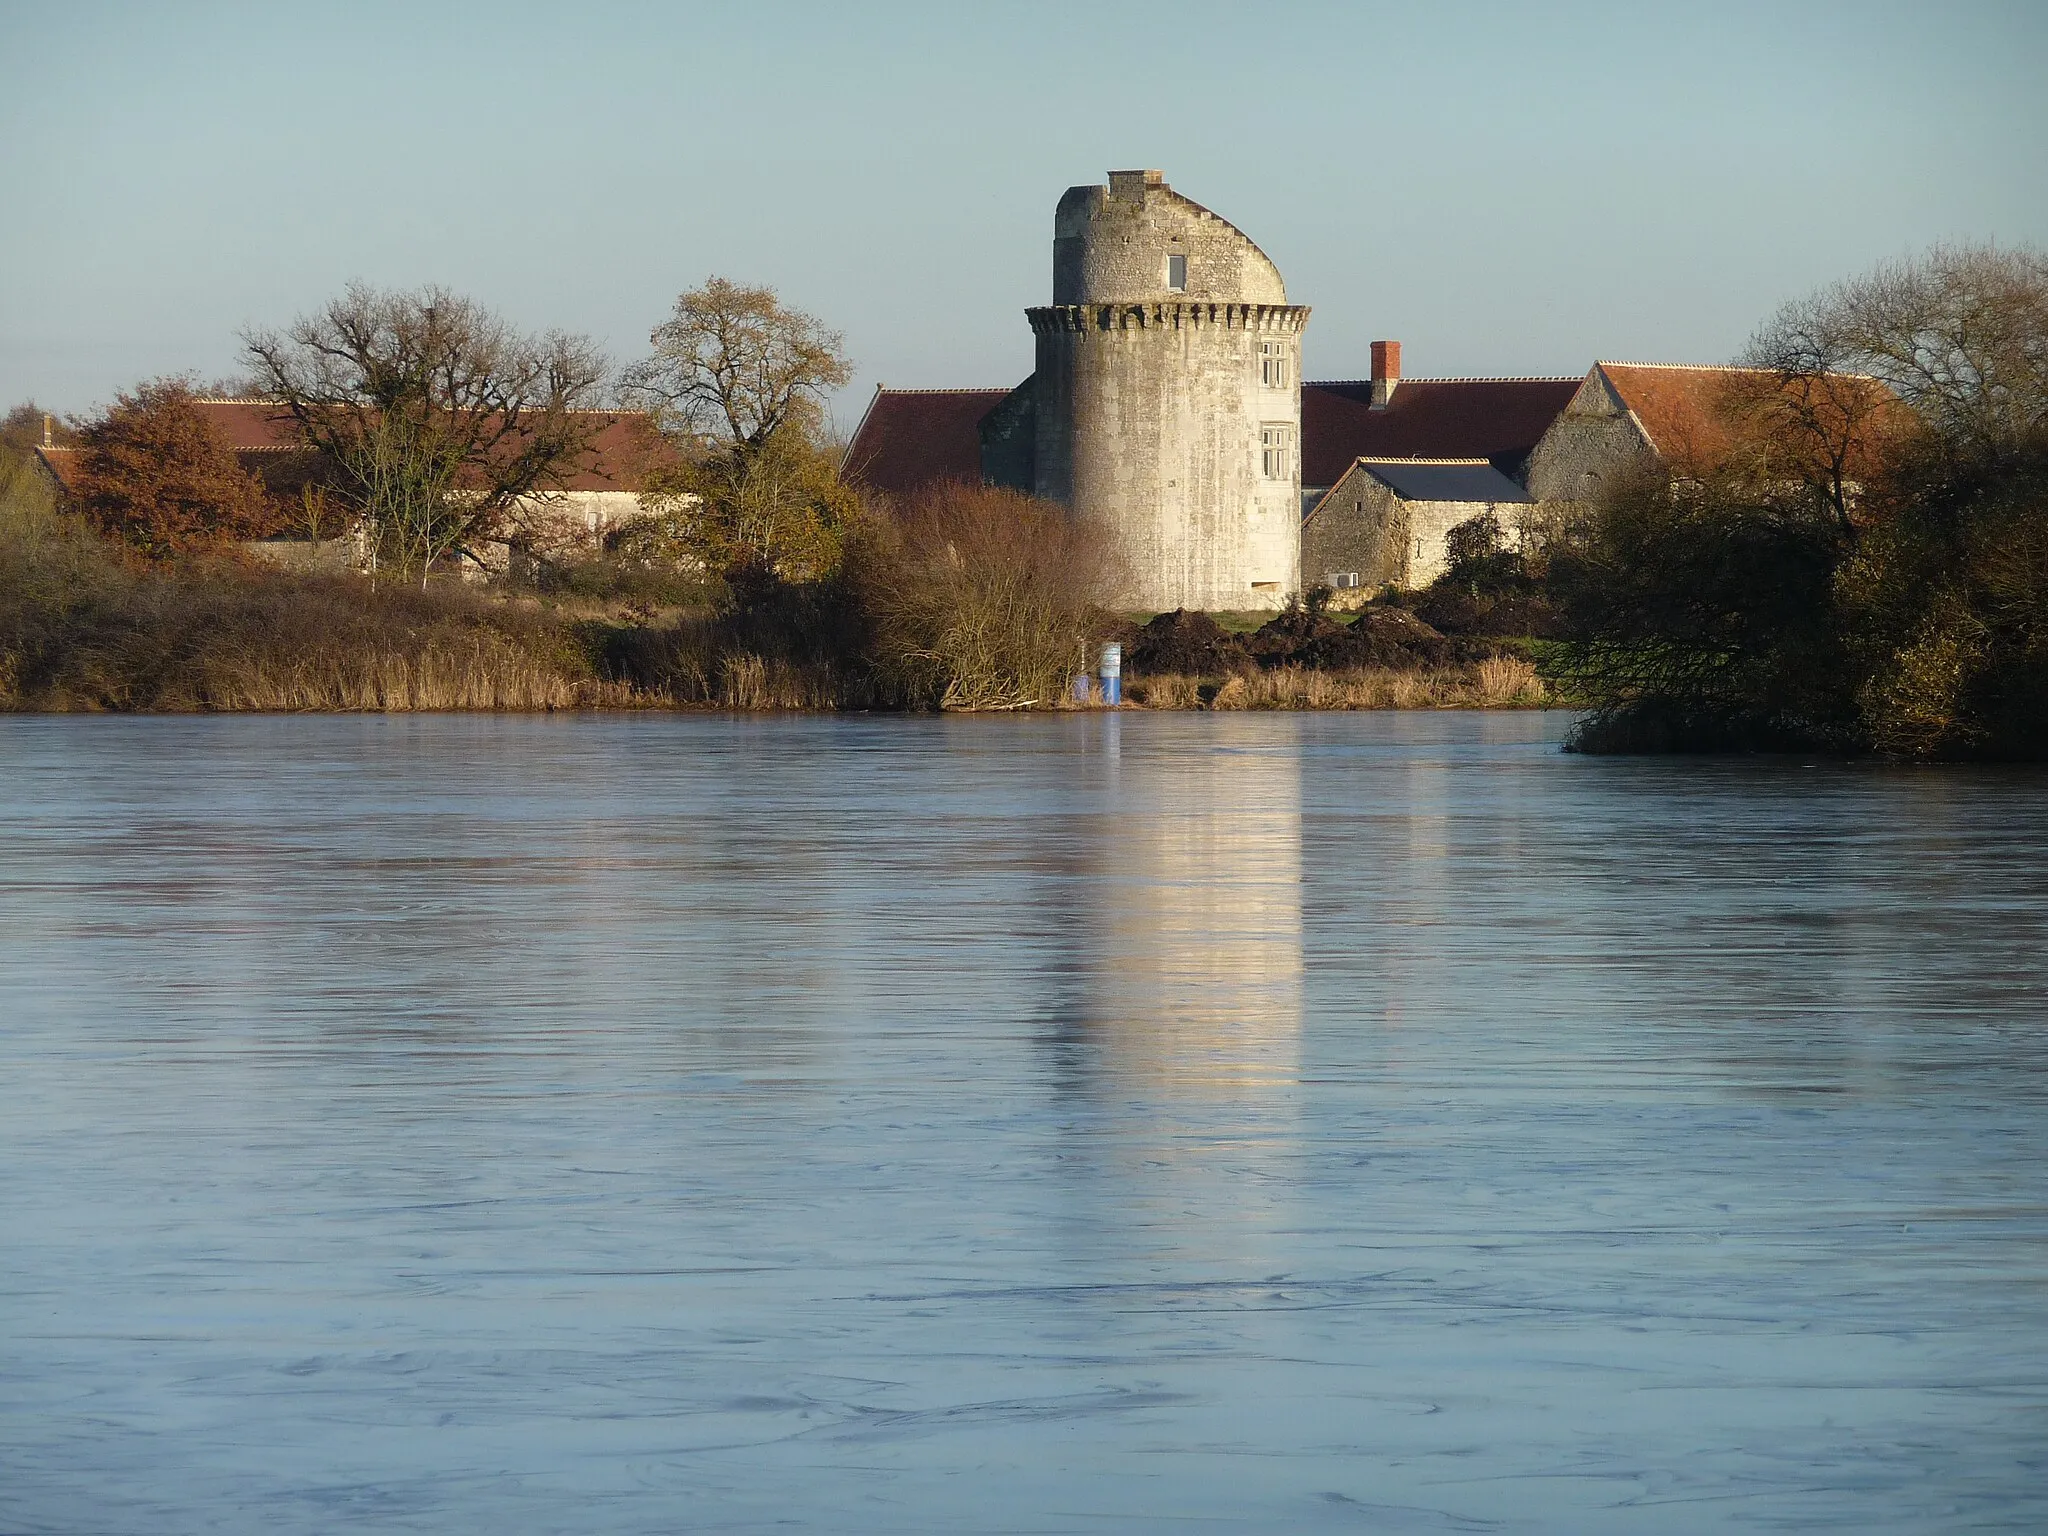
x=1168 y=396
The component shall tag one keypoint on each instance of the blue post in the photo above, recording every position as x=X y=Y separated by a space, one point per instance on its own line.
x=1112 y=673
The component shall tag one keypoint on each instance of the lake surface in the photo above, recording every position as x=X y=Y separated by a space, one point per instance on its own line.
x=1146 y=1123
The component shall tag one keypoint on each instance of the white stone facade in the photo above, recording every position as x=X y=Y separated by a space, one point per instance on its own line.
x=565 y=521
x=1168 y=396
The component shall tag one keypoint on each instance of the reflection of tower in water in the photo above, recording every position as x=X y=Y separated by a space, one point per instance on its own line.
x=1193 y=946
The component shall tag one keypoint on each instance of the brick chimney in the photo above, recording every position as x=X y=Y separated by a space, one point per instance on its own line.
x=1386 y=372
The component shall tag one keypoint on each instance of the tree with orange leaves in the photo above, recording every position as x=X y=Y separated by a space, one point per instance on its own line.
x=156 y=475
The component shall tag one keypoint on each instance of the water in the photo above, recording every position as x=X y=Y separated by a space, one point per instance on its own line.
x=1350 y=1123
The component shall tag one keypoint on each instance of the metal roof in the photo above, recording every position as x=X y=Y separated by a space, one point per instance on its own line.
x=1444 y=480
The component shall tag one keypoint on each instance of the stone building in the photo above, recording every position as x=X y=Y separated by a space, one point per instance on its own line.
x=1168 y=409
x=1168 y=406
x=1390 y=416
x=1627 y=415
x=1385 y=520
x=1165 y=407
x=596 y=495
x=1167 y=397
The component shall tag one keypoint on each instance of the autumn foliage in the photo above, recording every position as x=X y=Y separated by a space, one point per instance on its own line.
x=156 y=475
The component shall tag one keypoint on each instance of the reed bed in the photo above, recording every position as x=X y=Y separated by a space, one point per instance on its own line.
x=82 y=628
x=1501 y=682
x=474 y=672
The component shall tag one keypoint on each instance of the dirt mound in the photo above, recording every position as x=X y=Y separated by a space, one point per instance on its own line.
x=1189 y=643
x=1378 y=637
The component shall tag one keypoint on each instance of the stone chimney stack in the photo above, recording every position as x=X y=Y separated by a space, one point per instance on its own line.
x=1129 y=186
x=1386 y=372
x=49 y=441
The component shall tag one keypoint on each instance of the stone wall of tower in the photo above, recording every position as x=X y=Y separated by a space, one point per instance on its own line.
x=1168 y=396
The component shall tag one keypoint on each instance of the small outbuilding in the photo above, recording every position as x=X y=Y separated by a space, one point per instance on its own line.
x=1384 y=521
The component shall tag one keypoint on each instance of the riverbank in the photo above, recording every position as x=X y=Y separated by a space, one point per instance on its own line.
x=83 y=630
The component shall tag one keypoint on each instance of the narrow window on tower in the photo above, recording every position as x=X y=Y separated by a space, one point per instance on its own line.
x=1177 y=273
x=1276 y=452
x=1273 y=370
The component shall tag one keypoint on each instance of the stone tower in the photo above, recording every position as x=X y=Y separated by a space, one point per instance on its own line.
x=1168 y=396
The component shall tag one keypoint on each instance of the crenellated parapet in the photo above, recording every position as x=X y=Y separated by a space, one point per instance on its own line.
x=1171 y=314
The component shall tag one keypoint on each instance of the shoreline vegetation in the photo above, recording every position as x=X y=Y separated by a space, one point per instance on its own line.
x=86 y=629
x=1852 y=559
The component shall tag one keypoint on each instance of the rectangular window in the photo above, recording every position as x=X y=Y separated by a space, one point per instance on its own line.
x=1177 y=273
x=1276 y=451
x=1274 y=372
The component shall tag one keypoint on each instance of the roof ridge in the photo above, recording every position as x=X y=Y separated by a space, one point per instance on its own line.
x=964 y=389
x=1609 y=362
x=1460 y=378
x=1389 y=458
x=574 y=410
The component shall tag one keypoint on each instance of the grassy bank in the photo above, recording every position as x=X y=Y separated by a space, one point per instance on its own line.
x=86 y=626
x=83 y=628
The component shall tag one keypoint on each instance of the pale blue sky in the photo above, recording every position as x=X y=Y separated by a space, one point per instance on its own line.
x=1506 y=189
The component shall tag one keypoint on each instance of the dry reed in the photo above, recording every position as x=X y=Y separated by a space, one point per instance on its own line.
x=1497 y=683
x=979 y=598
x=83 y=629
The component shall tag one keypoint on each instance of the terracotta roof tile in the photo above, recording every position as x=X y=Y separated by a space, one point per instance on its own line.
x=1694 y=415
x=62 y=463
x=1499 y=420
x=623 y=449
x=912 y=438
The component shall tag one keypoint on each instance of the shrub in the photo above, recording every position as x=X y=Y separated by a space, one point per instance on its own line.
x=1701 y=618
x=1946 y=603
x=83 y=629
x=156 y=475
x=978 y=598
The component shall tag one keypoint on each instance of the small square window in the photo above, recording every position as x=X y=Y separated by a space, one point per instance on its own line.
x=1177 y=273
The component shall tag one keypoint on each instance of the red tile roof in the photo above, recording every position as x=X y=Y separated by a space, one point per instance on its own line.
x=623 y=449
x=1495 y=419
x=251 y=426
x=1696 y=415
x=62 y=463
x=911 y=438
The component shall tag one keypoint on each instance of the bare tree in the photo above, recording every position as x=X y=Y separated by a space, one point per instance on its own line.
x=436 y=418
x=734 y=366
x=1960 y=336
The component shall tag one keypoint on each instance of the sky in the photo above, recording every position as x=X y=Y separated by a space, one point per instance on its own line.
x=1507 y=189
